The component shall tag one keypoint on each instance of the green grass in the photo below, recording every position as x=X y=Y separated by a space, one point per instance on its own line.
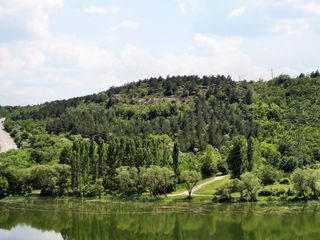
x=212 y=187
x=180 y=188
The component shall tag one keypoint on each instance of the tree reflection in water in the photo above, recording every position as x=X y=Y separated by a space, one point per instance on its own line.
x=83 y=220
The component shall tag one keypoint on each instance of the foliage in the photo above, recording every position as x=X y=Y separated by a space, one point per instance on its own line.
x=251 y=184
x=128 y=180
x=4 y=186
x=190 y=178
x=209 y=160
x=268 y=174
x=122 y=138
x=158 y=179
x=237 y=157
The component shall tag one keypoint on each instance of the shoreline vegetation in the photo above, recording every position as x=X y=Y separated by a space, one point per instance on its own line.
x=160 y=139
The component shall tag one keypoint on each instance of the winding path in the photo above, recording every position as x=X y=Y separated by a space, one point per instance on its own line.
x=198 y=187
x=6 y=141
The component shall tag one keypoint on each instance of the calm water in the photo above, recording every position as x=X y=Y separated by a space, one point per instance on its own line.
x=82 y=220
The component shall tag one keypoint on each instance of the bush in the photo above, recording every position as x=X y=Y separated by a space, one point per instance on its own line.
x=288 y=164
x=222 y=166
x=265 y=193
x=4 y=186
x=284 y=181
x=89 y=190
x=268 y=175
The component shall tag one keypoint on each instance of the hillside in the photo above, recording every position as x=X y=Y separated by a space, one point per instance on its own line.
x=239 y=126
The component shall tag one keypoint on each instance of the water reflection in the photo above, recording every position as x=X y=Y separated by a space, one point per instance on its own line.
x=56 y=220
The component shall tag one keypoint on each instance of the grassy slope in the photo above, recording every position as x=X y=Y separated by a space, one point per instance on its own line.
x=180 y=188
x=212 y=187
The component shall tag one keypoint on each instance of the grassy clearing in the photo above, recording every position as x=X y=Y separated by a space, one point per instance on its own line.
x=212 y=187
x=180 y=188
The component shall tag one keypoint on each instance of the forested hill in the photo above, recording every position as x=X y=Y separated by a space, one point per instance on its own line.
x=276 y=122
x=191 y=110
x=194 y=111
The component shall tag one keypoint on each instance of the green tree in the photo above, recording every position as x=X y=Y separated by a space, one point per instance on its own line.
x=190 y=178
x=189 y=161
x=251 y=153
x=158 y=179
x=209 y=160
x=251 y=184
x=237 y=157
x=4 y=186
x=300 y=182
x=127 y=178
x=313 y=181
x=238 y=186
x=267 y=174
x=99 y=187
x=175 y=160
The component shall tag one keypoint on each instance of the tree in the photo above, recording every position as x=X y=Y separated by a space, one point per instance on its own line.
x=225 y=191
x=99 y=187
x=4 y=186
x=300 y=182
x=158 y=179
x=189 y=161
x=209 y=160
x=250 y=153
x=237 y=157
x=251 y=184
x=288 y=163
x=190 y=178
x=127 y=178
x=175 y=160
x=267 y=174
x=313 y=181
x=238 y=186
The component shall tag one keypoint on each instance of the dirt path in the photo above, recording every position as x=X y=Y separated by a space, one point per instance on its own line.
x=198 y=187
x=6 y=141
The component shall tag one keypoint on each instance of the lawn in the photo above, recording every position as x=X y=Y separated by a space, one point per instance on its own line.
x=212 y=187
x=180 y=188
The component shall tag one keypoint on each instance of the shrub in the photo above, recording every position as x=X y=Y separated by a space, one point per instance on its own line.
x=264 y=193
x=284 y=181
x=268 y=175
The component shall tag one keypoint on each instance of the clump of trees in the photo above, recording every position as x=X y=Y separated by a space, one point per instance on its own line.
x=305 y=181
x=247 y=187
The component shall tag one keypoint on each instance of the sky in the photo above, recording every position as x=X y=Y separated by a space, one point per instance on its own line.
x=57 y=49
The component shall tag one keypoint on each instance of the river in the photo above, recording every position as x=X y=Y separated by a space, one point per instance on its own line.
x=79 y=220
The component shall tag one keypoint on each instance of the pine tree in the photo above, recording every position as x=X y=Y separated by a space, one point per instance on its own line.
x=175 y=160
x=250 y=154
x=237 y=158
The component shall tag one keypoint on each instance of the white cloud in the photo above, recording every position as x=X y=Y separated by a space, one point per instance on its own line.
x=34 y=14
x=84 y=67
x=186 y=5
x=127 y=24
x=236 y=12
x=311 y=7
x=291 y=26
x=207 y=55
x=101 y=10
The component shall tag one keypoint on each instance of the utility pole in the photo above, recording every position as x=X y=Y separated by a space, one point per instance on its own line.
x=271 y=73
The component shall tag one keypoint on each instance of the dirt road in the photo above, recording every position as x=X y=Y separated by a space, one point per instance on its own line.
x=6 y=141
x=196 y=188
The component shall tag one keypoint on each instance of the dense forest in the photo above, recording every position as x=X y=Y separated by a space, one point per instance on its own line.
x=152 y=135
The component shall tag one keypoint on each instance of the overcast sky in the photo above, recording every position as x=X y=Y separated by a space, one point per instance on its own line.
x=55 y=49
